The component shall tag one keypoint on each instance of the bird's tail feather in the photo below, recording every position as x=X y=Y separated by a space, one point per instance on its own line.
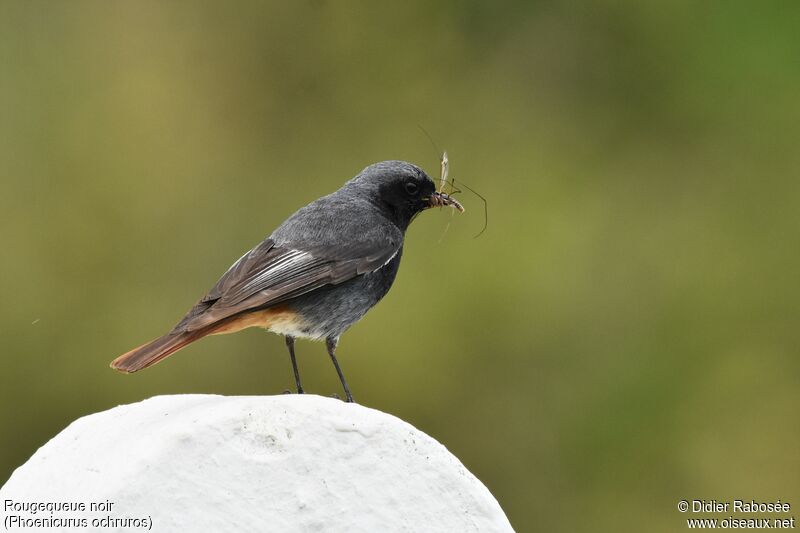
x=156 y=350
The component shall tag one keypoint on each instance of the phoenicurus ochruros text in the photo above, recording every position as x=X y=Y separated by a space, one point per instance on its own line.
x=317 y=274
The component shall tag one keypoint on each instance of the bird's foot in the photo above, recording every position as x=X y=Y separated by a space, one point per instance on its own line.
x=348 y=398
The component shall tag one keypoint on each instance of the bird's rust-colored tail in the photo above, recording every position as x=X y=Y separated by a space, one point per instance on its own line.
x=156 y=350
x=162 y=347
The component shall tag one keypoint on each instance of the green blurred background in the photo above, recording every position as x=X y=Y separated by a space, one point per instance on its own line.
x=624 y=335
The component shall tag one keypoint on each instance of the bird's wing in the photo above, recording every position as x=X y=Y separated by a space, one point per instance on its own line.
x=269 y=274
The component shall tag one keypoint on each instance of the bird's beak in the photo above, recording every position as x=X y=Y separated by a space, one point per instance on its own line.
x=440 y=199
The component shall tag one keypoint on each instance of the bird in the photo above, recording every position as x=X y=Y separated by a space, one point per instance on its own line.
x=317 y=274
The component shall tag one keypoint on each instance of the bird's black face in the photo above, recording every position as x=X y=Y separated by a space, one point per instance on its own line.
x=402 y=190
x=408 y=193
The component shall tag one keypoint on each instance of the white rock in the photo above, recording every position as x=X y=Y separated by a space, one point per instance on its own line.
x=202 y=463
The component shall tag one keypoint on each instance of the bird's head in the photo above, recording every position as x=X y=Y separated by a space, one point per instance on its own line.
x=400 y=189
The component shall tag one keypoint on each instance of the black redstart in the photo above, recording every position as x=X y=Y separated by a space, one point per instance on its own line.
x=317 y=274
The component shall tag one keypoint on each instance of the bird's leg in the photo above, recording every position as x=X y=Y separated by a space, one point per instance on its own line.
x=331 y=343
x=290 y=345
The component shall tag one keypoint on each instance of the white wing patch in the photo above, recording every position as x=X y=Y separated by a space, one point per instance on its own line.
x=387 y=261
x=289 y=260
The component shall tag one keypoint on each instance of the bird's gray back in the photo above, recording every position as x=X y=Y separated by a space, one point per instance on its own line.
x=340 y=219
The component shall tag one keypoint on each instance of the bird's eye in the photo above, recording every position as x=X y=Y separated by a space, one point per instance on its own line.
x=411 y=187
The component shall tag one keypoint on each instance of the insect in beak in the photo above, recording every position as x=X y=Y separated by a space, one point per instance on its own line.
x=440 y=199
x=445 y=162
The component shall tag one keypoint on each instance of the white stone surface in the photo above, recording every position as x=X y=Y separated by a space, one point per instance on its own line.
x=201 y=463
